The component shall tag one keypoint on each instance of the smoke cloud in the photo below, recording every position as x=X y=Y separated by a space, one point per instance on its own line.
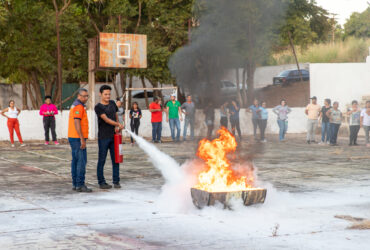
x=231 y=34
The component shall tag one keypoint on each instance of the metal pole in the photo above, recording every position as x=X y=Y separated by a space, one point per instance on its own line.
x=295 y=55
x=91 y=73
x=126 y=108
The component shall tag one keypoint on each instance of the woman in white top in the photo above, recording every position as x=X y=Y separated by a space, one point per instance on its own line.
x=13 y=123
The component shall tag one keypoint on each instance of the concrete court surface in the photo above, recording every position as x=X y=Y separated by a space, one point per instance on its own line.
x=315 y=194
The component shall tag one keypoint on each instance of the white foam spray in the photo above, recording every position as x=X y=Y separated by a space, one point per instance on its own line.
x=175 y=195
x=168 y=166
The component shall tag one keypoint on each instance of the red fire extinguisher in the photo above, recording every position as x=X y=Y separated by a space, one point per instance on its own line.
x=118 y=151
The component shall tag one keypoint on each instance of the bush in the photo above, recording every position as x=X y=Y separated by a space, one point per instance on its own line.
x=350 y=50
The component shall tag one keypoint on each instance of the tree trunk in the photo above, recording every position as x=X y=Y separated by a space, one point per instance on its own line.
x=244 y=93
x=55 y=97
x=156 y=92
x=122 y=77
x=114 y=78
x=129 y=92
x=145 y=92
x=32 y=97
x=24 y=96
x=48 y=85
x=36 y=87
x=238 y=96
x=59 y=58
x=58 y=13
x=251 y=67
x=11 y=91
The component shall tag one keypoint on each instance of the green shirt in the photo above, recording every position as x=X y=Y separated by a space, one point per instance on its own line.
x=173 y=109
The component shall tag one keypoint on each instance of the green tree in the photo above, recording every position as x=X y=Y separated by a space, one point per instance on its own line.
x=358 y=24
x=307 y=22
x=28 y=46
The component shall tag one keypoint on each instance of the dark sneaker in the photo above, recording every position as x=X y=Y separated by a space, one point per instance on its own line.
x=84 y=189
x=116 y=185
x=105 y=186
x=308 y=142
x=74 y=188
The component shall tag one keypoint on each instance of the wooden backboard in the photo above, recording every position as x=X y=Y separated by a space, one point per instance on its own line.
x=118 y=50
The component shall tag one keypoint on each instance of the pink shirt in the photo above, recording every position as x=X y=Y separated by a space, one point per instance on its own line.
x=48 y=108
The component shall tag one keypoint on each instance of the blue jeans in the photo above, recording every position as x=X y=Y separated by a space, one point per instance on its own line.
x=283 y=125
x=189 y=121
x=156 y=131
x=104 y=146
x=175 y=122
x=325 y=131
x=79 y=160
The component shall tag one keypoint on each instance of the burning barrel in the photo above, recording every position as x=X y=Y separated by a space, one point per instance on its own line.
x=219 y=181
x=249 y=197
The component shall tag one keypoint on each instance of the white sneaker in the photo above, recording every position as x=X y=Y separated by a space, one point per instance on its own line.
x=328 y=142
x=13 y=146
x=23 y=145
x=321 y=143
x=264 y=140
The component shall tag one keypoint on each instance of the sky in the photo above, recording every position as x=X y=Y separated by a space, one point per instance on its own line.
x=343 y=8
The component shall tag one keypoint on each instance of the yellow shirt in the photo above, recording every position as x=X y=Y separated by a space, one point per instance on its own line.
x=313 y=111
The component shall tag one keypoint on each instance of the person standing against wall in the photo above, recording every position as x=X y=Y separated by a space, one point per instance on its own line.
x=223 y=114
x=365 y=122
x=312 y=111
x=13 y=124
x=48 y=110
x=354 y=123
x=156 y=109
x=135 y=116
x=282 y=112
x=173 y=115
x=325 y=123
x=262 y=122
x=78 y=132
x=108 y=124
x=188 y=108
x=335 y=116
x=255 y=109
x=234 y=109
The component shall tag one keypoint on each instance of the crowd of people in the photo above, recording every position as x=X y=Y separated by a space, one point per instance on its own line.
x=331 y=119
x=111 y=120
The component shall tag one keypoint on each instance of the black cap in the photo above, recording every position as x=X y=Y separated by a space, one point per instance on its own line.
x=314 y=97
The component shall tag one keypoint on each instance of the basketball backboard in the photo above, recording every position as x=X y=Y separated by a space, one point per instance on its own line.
x=118 y=50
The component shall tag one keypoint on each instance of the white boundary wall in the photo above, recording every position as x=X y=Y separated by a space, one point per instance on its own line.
x=342 y=82
x=32 y=127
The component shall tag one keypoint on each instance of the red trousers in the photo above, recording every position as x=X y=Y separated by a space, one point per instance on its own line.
x=13 y=124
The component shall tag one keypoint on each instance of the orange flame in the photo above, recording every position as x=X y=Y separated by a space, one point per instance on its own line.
x=219 y=177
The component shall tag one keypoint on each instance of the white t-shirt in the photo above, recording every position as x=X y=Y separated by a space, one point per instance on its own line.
x=366 y=117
